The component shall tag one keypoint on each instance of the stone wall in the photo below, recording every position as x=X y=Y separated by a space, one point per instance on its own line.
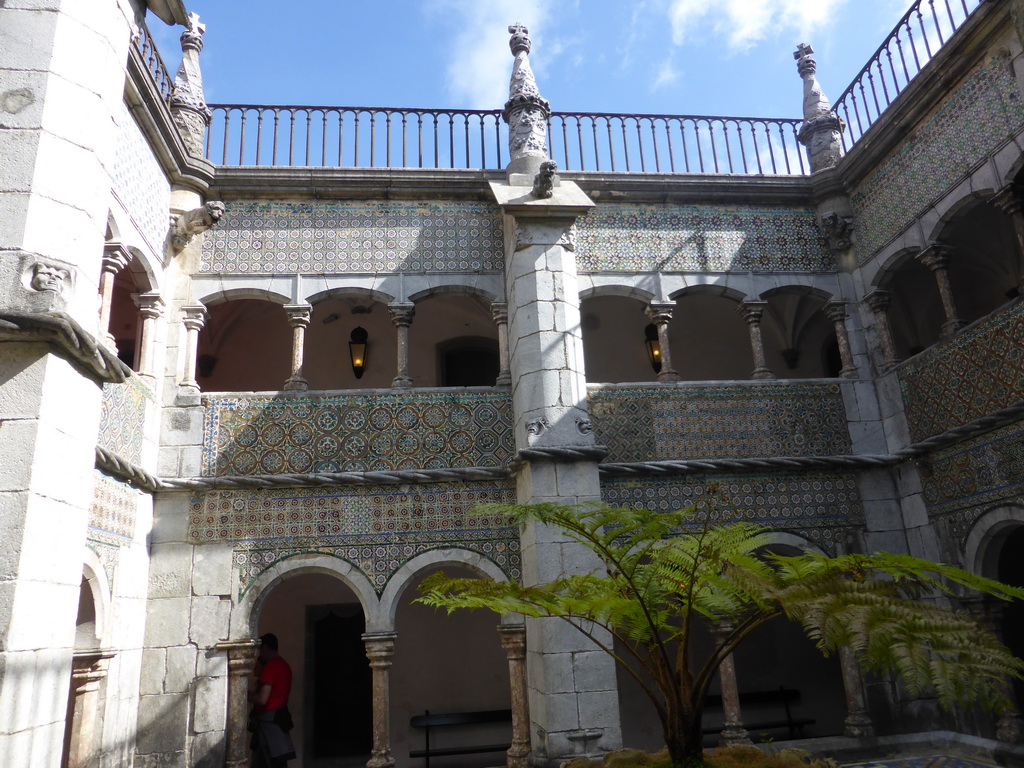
x=139 y=182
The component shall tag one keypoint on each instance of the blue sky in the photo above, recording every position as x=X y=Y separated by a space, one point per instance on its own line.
x=729 y=57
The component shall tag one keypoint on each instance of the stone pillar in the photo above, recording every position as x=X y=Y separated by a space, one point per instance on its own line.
x=380 y=647
x=115 y=258
x=1009 y=203
x=499 y=313
x=752 y=312
x=857 y=724
x=298 y=319
x=151 y=309
x=822 y=129
x=241 y=658
x=836 y=312
x=194 y=319
x=878 y=301
x=401 y=316
x=733 y=732
x=661 y=315
x=513 y=641
x=936 y=257
x=188 y=103
x=87 y=672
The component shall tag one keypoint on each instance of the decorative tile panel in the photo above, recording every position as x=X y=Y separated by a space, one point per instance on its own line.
x=123 y=417
x=112 y=517
x=140 y=183
x=254 y=435
x=976 y=372
x=313 y=238
x=933 y=761
x=977 y=117
x=700 y=238
x=822 y=507
x=375 y=528
x=654 y=424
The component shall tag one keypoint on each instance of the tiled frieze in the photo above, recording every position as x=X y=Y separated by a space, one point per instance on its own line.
x=123 y=417
x=375 y=528
x=975 y=119
x=112 y=517
x=720 y=422
x=252 y=435
x=140 y=183
x=319 y=237
x=976 y=372
x=819 y=506
x=700 y=238
x=965 y=480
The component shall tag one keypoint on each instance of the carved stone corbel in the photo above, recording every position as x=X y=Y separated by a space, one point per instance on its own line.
x=836 y=230
x=191 y=223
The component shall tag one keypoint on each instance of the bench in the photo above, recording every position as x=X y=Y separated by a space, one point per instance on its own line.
x=427 y=722
x=781 y=696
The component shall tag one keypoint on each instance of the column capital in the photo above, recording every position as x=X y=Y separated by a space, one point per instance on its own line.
x=499 y=312
x=660 y=313
x=936 y=256
x=1007 y=200
x=151 y=304
x=752 y=311
x=241 y=654
x=299 y=315
x=402 y=313
x=513 y=640
x=194 y=316
x=116 y=257
x=835 y=310
x=878 y=300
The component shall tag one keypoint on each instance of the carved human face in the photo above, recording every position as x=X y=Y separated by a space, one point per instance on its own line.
x=48 y=278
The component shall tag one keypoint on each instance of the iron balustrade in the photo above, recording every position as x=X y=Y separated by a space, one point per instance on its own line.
x=913 y=42
x=151 y=57
x=391 y=137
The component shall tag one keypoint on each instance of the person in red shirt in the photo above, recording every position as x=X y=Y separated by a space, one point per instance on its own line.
x=272 y=746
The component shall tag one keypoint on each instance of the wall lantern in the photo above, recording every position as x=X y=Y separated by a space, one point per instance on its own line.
x=653 y=346
x=357 y=350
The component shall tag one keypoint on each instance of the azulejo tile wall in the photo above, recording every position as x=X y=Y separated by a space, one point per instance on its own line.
x=976 y=118
x=721 y=422
x=700 y=238
x=112 y=518
x=356 y=433
x=932 y=761
x=313 y=238
x=965 y=480
x=376 y=528
x=819 y=506
x=139 y=182
x=978 y=371
x=123 y=417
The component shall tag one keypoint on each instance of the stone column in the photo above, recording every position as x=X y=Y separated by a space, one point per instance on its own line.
x=499 y=313
x=878 y=300
x=1010 y=204
x=822 y=128
x=857 y=724
x=752 y=312
x=936 y=257
x=733 y=732
x=836 y=312
x=151 y=309
x=194 y=319
x=298 y=319
x=115 y=258
x=401 y=316
x=661 y=315
x=513 y=641
x=188 y=102
x=380 y=647
x=88 y=668
x=241 y=658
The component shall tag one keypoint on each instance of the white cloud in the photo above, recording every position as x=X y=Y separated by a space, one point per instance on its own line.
x=667 y=74
x=479 y=61
x=744 y=23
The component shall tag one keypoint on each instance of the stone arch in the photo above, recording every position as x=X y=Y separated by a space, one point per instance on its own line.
x=622 y=290
x=892 y=265
x=428 y=561
x=792 y=540
x=705 y=289
x=235 y=294
x=986 y=537
x=245 y=616
x=799 y=339
x=614 y=325
x=915 y=311
x=94 y=578
x=956 y=210
x=353 y=292
x=454 y=289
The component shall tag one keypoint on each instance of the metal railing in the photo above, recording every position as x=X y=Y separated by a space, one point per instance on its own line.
x=913 y=42
x=387 y=137
x=151 y=56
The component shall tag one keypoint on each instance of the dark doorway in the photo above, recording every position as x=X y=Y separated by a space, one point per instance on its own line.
x=468 y=362
x=1011 y=571
x=338 y=683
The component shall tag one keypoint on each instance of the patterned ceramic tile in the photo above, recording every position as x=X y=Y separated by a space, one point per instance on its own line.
x=700 y=238
x=356 y=433
x=819 y=506
x=721 y=422
x=934 y=761
x=979 y=115
x=112 y=516
x=969 y=376
x=313 y=238
x=123 y=417
x=376 y=528
x=139 y=182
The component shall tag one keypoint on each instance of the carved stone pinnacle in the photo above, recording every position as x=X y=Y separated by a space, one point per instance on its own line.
x=519 y=41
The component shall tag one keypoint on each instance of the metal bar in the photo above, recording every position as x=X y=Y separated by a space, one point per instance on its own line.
x=373 y=137
x=277 y=120
x=668 y=143
x=227 y=123
x=323 y=141
x=291 y=138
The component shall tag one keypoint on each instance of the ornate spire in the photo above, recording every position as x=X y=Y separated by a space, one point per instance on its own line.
x=822 y=127
x=188 y=104
x=526 y=111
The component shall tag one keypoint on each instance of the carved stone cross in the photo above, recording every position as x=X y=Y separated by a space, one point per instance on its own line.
x=518 y=29
x=194 y=25
x=802 y=50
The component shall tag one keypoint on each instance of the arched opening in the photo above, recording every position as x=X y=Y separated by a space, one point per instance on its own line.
x=244 y=346
x=468 y=361
x=915 y=308
x=614 y=341
x=453 y=342
x=446 y=663
x=319 y=623
x=1010 y=570
x=83 y=719
x=327 y=360
x=799 y=340
x=710 y=340
x=124 y=318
